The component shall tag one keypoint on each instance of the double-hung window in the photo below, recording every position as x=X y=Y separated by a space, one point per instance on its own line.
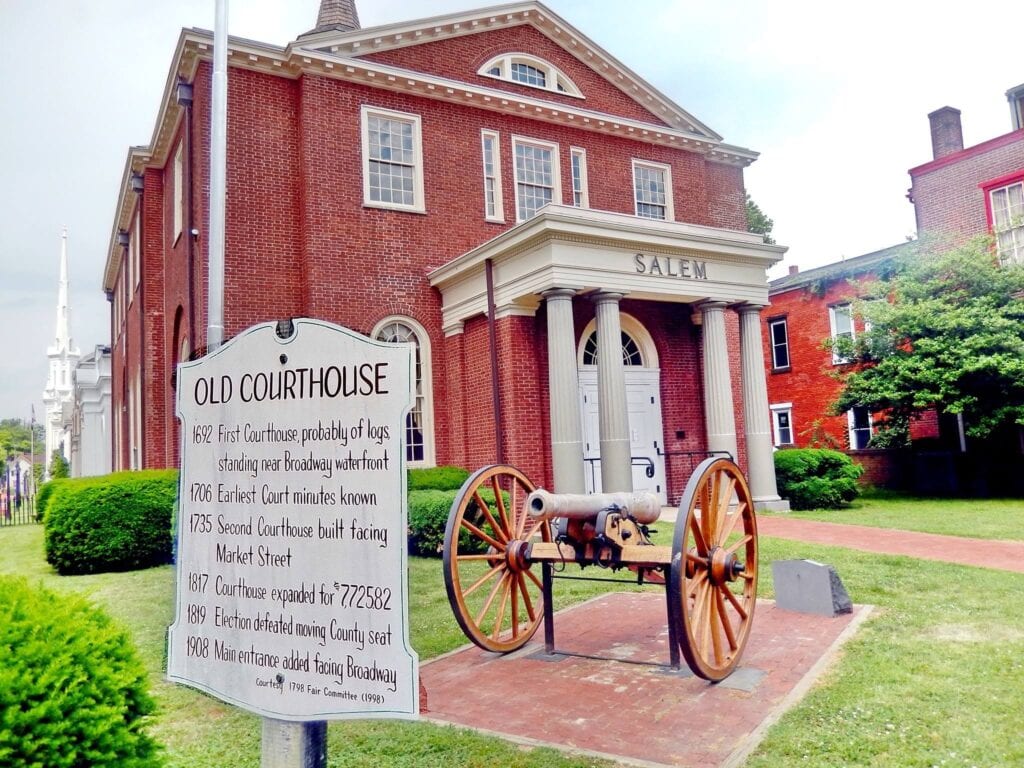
x=779 y=336
x=840 y=319
x=392 y=160
x=580 y=195
x=1008 y=221
x=494 y=208
x=537 y=176
x=652 y=190
x=782 y=424
x=859 y=419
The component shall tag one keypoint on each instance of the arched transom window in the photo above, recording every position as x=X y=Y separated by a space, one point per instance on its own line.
x=529 y=70
x=631 y=354
x=419 y=436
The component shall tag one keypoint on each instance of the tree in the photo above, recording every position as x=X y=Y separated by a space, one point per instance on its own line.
x=758 y=222
x=58 y=465
x=16 y=435
x=945 y=331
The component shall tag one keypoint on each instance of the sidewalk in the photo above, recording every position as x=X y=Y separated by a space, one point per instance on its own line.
x=984 y=553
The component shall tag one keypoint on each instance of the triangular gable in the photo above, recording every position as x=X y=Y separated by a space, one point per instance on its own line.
x=373 y=41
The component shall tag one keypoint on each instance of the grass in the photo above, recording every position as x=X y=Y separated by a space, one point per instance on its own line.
x=971 y=518
x=934 y=678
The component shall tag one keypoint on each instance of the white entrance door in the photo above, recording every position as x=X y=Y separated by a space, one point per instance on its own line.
x=645 y=430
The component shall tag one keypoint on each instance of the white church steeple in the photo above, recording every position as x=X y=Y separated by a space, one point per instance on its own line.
x=63 y=356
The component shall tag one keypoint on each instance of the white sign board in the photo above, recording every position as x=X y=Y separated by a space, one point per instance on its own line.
x=291 y=554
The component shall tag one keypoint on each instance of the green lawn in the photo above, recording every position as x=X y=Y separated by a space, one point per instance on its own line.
x=973 y=518
x=935 y=677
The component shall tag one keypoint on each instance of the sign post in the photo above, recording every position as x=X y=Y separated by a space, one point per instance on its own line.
x=292 y=577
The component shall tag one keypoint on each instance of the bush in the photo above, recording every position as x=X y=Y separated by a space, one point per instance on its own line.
x=816 y=478
x=428 y=518
x=72 y=691
x=118 y=522
x=437 y=478
x=44 y=494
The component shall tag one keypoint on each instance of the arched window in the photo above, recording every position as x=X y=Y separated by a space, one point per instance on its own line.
x=638 y=348
x=528 y=70
x=419 y=424
x=630 y=351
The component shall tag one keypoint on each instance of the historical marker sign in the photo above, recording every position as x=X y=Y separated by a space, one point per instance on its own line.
x=292 y=574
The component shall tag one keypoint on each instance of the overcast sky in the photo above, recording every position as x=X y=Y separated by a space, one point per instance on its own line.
x=834 y=96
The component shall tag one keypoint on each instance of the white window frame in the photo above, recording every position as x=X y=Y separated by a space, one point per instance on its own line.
x=669 y=203
x=556 y=173
x=136 y=247
x=419 y=204
x=838 y=359
x=578 y=158
x=777 y=409
x=179 y=192
x=771 y=343
x=1010 y=249
x=555 y=80
x=498 y=213
x=851 y=431
x=425 y=390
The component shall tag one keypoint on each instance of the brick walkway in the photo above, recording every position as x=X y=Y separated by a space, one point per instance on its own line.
x=985 y=553
x=638 y=714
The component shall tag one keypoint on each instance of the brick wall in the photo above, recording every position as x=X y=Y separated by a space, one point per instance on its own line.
x=947 y=198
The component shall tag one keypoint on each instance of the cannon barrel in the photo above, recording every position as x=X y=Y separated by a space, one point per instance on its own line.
x=644 y=507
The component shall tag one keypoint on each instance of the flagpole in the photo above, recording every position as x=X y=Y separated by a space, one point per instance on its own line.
x=218 y=179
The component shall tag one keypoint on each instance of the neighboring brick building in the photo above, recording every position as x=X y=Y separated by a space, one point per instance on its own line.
x=961 y=193
x=382 y=178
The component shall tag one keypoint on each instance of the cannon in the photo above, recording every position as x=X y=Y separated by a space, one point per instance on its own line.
x=502 y=530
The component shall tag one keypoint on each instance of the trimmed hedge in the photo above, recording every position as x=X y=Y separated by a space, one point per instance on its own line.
x=428 y=518
x=72 y=690
x=816 y=478
x=118 y=522
x=437 y=478
x=44 y=494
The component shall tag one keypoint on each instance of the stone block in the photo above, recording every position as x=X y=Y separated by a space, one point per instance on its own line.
x=810 y=587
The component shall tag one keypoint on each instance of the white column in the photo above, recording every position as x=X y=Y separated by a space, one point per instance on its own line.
x=760 y=459
x=719 y=415
x=613 y=413
x=564 y=394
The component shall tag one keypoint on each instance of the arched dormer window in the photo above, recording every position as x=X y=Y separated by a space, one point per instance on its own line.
x=528 y=70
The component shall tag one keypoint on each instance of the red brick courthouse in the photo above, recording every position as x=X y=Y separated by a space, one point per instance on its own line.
x=383 y=178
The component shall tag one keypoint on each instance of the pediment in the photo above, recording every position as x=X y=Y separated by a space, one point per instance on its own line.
x=389 y=44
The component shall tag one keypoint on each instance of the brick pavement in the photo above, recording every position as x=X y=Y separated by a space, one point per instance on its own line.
x=642 y=715
x=985 y=553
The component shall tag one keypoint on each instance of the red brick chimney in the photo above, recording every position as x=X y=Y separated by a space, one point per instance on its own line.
x=947 y=134
x=794 y=269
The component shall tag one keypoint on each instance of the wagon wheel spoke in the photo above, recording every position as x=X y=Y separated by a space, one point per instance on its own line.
x=499 y=501
x=735 y=603
x=482 y=506
x=489 y=602
x=526 y=596
x=518 y=512
x=739 y=544
x=712 y=624
x=483 y=536
x=507 y=581
x=730 y=635
x=484 y=579
x=537 y=526
x=723 y=510
x=740 y=509
x=514 y=585
x=698 y=537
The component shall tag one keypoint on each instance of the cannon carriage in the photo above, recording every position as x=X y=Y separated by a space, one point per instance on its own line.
x=505 y=538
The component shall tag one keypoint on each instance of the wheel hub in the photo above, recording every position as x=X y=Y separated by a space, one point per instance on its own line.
x=515 y=556
x=724 y=566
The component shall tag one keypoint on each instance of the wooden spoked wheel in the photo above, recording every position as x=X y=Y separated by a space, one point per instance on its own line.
x=496 y=597
x=712 y=588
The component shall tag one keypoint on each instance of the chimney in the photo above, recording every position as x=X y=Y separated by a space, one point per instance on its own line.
x=1016 y=98
x=793 y=269
x=947 y=135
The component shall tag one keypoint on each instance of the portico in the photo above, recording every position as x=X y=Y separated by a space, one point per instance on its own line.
x=569 y=263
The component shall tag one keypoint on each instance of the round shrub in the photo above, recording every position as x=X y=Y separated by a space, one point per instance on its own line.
x=118 y=522
x=72 y=691
x=428 y=518
x=816 y=478
x=437 y=478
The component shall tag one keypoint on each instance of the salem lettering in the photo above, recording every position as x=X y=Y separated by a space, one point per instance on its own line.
x=667 y=266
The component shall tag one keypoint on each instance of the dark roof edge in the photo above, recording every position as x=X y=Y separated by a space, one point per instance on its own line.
x=840 y=269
